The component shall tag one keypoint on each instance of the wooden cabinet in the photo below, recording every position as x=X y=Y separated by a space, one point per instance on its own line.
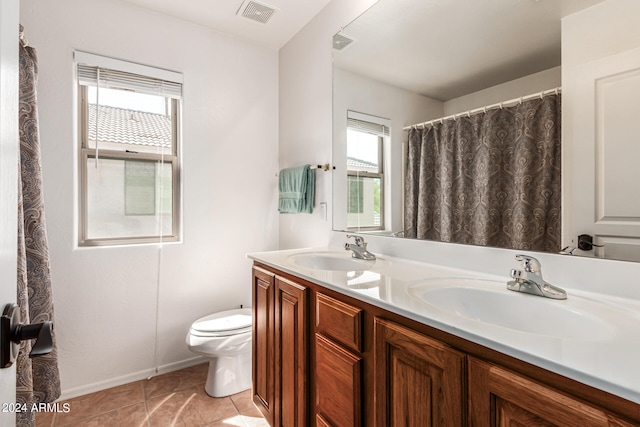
x=418 y=381
x=280 y=349
x=263 y=342
x=499 y=397
x=338 y=363
x=337 y=385
x=326 y=359
x=291 y=353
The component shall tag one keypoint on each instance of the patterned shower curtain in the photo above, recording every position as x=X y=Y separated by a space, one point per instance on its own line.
x=37 y=379
x=490 y=179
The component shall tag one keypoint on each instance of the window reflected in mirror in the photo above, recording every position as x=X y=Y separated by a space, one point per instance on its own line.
x=366 y=137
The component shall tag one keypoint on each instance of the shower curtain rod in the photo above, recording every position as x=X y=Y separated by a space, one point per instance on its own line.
x=485 y=108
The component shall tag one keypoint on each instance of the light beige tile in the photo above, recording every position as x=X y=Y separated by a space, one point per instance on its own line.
x=45 y=419
x=129 y=416
x=190 y=407
x=240 y=421
x=101 y=402
x=173 y=399
x=175 y=381
x=243 y=401
x=255 y=421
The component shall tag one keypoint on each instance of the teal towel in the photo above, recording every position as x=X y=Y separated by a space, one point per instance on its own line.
x=296 y=186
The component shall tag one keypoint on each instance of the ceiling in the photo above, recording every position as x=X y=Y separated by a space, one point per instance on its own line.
x=444 y=49
x=439 y=48
x=289 y=18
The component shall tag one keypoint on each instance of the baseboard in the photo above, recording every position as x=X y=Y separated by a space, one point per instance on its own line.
x=129 y=378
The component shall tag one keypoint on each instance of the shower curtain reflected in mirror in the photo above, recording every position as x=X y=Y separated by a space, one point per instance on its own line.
x=37 y=379
x=490 y=179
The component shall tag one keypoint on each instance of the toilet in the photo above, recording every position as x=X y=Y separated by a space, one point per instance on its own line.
x=224 y=338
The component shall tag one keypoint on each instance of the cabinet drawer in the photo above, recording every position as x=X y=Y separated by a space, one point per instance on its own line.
x=338 y=385
x=340 y=321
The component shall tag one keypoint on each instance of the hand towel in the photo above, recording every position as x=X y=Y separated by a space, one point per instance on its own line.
x=296 y=190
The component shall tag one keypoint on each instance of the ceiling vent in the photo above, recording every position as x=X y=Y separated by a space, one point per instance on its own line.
x=255 y=11
x=340 y=41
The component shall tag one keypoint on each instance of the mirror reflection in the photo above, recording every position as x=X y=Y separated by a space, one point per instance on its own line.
x=468 y=95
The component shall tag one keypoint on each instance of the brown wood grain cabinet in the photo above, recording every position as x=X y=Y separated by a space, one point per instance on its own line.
x=263 y=365
x=280 y=345
x=338 y=362
x=337 y=384
x=322 y=358
x=499 y=397
x=419 y=382
x=292 y=359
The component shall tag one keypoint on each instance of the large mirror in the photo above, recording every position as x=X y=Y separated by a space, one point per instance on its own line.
x=407 y=62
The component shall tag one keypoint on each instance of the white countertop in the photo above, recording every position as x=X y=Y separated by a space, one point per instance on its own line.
x=605 y=357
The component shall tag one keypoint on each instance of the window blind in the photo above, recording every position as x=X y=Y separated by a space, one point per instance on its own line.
x=116 y=74
x=368 y=127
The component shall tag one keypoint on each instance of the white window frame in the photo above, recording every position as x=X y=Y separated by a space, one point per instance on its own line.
x=145 y=79
x=381 y=128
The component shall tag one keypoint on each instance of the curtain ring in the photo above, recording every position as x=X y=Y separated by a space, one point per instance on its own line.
x=520 y=100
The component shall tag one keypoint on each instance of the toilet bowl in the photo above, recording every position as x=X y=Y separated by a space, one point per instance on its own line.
x=224 y=338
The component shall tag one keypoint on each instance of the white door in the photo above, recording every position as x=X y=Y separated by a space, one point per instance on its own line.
x=606 y=154
x=9 y=14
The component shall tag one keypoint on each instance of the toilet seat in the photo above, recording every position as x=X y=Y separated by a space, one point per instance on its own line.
x=224 y=323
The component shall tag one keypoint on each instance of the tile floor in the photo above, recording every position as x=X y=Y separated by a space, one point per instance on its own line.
x=173 y=399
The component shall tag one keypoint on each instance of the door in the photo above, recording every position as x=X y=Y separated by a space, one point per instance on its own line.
x=9 y=13
x=603 y=108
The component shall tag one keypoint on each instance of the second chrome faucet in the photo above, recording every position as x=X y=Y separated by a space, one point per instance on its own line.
x=529 y=280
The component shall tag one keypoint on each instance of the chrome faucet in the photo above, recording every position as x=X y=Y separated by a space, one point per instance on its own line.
x=529 y=280
x=359 y=249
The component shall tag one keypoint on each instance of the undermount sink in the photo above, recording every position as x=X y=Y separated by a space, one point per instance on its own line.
x=491 y=303
x=333 y=261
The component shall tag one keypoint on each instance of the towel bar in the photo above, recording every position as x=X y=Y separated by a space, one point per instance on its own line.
x=325 y=167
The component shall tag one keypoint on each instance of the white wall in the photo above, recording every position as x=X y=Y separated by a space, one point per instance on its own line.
x=527 y=85
x=305 y=115
x=105 y=298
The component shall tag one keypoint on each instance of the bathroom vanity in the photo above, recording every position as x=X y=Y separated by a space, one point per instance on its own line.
x=392 y=342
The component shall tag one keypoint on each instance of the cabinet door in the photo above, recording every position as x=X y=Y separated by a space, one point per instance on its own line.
x=337 y=385
x=263 y=343
x=418 y=381
x=291 y=353
x=498 y=397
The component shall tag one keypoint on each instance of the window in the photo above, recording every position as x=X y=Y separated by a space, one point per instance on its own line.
x=129 y=118
x=366 y=136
